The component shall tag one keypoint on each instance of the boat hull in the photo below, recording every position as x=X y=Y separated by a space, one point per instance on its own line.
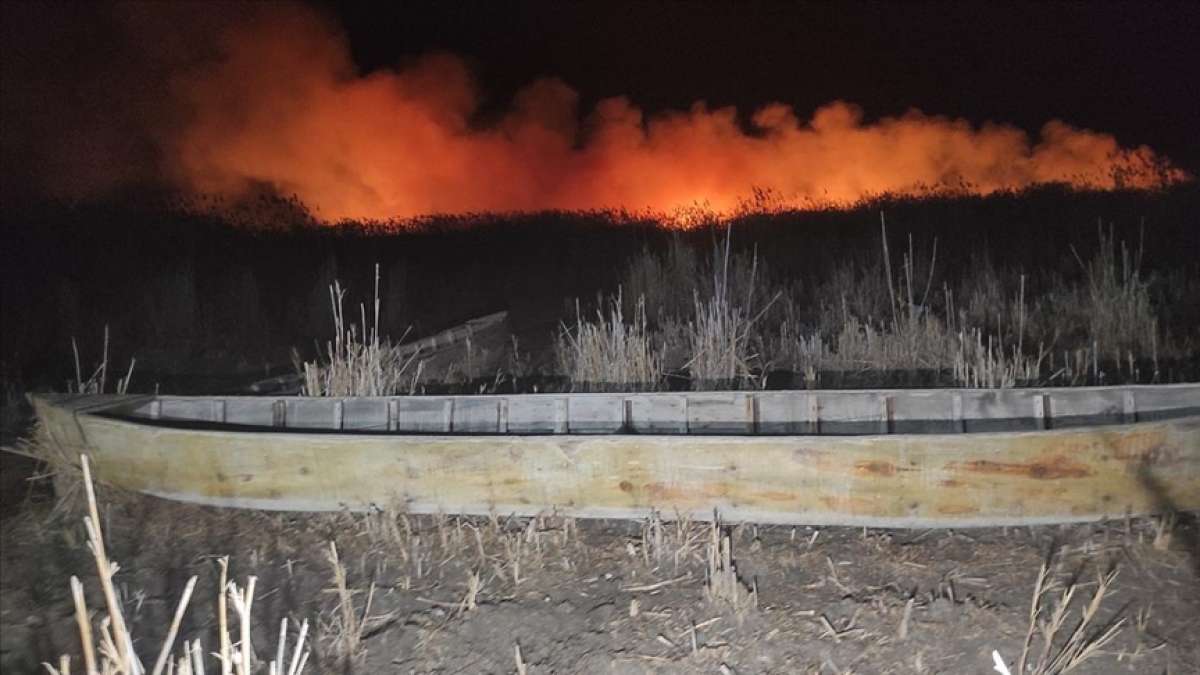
x=885 y=480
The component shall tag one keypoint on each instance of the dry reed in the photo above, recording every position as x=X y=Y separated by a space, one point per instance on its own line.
x=98 y=381
x=1063 y=650
x=723 y=584
x=608 y=353
x=358 y=361
x=114 y=653
x=722 y=332
x=343 y=633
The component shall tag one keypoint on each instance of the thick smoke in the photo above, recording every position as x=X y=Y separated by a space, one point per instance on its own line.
x=276 y=100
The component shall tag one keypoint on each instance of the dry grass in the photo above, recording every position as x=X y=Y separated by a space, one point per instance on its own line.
x=724 y=321
x=1114 y=302
x=495 y=548
x=609 y=353
x=109 y=648
x=98 y=381
x=343 y=633
x=61 y=466
x=875 y=317
x=1063 y=648
x=678 y=541
x=918 y=344
x=476 y=579
x=358 y=362
x=719 y=341
x=991 y=366
x=721 y=335
x=723 y=585
x=664 y=283
x=1164 y=530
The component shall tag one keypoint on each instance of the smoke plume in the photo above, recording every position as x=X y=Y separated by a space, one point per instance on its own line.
x=276 y=100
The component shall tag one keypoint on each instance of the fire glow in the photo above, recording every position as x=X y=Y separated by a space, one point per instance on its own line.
x=284 y=106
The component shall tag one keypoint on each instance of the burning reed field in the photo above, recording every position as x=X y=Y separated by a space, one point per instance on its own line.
x=1048 y=286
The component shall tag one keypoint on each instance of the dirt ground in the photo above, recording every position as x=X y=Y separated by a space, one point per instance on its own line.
x=556 y=595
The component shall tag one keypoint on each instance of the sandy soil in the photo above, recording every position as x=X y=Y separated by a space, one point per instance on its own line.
x=555 y=595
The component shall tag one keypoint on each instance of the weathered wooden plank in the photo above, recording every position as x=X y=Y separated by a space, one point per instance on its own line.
x=784 y=412
x=1087 y=408
x=475 y=415
x=659 y=414
x=535 y=415
x=365 y=414
x=259 y=412
x=393 y=414
x=312 y=413
x=1000 y=410
x=562 y=415
x=719 y=413
x=926 y=412
x=1163 y=402
x=597 y=414
x=420 y=414
x=198 y=409
x=1042 y=412
x=851 y=412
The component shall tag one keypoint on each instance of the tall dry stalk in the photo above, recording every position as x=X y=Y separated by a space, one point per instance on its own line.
x=990 y=366
x=1116 y=300
x=358 y=361
x=723 y=328
x=345 y=630
x=116 y=654
x=1065 y=649
x=97 y=383
x=723 y=584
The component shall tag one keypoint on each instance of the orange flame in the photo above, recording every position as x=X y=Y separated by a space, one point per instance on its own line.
x=285 y=107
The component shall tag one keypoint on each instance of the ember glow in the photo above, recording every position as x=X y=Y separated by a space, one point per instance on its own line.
x=284 y=106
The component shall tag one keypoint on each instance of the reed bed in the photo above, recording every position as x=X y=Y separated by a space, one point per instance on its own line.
x=989 y=329
x=722 y=320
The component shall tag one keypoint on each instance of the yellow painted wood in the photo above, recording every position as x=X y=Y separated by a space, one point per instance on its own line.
x=896 y=480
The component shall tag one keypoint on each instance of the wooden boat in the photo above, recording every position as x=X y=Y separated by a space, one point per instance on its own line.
x=888 y=458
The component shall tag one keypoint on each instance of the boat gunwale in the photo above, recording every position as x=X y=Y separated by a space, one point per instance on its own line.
x=746 y=392
x=224 y=429
x=130 y=407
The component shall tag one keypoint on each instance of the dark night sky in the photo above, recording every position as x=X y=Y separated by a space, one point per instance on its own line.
x=1126 y=68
